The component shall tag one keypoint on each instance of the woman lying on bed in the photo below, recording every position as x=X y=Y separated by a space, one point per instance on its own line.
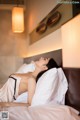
x=24 y=82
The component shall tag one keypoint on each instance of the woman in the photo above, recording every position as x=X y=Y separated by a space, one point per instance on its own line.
x=28 y=81
x=51 y=64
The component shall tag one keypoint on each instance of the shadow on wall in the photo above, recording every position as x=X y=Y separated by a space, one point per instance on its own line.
x=8 y=65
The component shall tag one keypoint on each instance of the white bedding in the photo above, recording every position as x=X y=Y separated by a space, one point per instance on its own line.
x=52 y=82
x=45 y=112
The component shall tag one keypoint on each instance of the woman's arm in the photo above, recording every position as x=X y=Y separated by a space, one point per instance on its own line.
x=12 y=104
x=31 y=89
x=19 y=74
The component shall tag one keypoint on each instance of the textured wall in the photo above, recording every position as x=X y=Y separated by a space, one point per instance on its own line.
x=13 y=47
x=9 y=41
x=8 y=65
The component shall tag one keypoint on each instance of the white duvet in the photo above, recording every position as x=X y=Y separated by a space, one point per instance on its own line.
x=45 y=112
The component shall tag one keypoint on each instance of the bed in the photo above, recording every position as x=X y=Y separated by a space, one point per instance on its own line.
x=69 y=111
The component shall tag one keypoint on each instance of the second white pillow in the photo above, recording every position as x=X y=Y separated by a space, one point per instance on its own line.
x=25 y=68
x=44 y=88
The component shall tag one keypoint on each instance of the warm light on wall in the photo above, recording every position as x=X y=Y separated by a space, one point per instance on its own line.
x=18 y=19
x=71 y=43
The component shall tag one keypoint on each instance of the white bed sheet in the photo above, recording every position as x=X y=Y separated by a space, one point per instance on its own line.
x=45 y=112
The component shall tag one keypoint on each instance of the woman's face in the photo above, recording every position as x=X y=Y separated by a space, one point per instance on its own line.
x=42 y=62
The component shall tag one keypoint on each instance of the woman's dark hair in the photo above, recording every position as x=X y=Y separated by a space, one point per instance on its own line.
x=51 y=64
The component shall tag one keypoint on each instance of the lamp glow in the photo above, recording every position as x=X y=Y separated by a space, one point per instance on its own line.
x=18 y=20
x=71 y=43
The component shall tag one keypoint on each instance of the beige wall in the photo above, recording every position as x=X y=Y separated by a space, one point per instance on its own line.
x=71 y=43
x=37 y=11
x=8 y=65
x=13 y=47
x=11 y=43
x=46 y=44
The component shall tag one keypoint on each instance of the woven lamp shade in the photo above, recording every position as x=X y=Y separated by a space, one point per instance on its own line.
x=18 y=19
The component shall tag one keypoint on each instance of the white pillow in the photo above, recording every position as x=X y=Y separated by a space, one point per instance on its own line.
x=26 y=68
x=46 y=87
x=62 y=89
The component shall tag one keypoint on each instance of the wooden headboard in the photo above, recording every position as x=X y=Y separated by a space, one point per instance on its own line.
x=72 y=74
